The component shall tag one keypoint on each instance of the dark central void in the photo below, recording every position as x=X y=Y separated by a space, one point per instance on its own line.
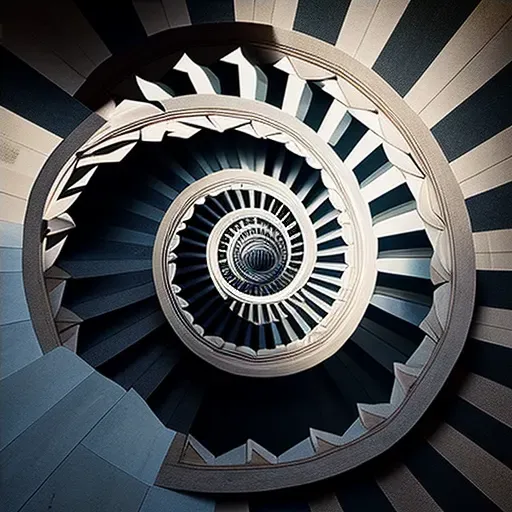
x=261 y=259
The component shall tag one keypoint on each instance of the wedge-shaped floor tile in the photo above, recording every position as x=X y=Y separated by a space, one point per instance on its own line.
x=33 y=390
x=10 y=259
x=11 y=234
x=50 y=439
x=131 y=438
x=85 y=482
x=18 y=348
x=15 y=309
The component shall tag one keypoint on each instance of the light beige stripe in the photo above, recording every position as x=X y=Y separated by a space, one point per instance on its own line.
x=20 y=159
x=20 y=130
x=12 y=209
x=152 y=15
x=17 y=185
x=244 y=10
x=493 y=249
x=355 y=24
x=263 y=11
x=494 y=316
x=495 y=176
x=284 y=13
x=493 y=335
x=405 y=493
x=176 y=12
x=386 y=18
x=24 y=147
x=325 y=503
x=490 y=397
x=493 y=325
x=481 y=158
x=487 y=473
x=493 y=57
x=479 y=28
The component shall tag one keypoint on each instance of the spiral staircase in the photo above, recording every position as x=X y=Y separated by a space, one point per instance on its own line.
x=256 y=255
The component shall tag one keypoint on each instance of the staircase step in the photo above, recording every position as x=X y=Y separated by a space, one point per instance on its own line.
x=19 y=347
x=131 y=438
x=51 y=438
x=43 y=383
x=85 y=482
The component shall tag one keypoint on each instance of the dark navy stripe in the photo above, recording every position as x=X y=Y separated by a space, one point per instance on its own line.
x=406 y=283
x=326 y=228
x=350 y=138
x=133 y=221
x=422 y=32
x=228 y=77
x=96 y=330
x=487 y=432
x=350 y=387
x=493 y=288
x=185 y=412
x=154 y=198
x=491 y=209
x=484 y=114
x=301 y=179
x=179 y=82
x=32 y=96
x=277 y=81
x=369 y=367
x=404 y=241
x=363 y=495
x=449 y=488
x=85 y=248
x=366 y=382
x=401 y=327
x=324 y=209
x=321 y=18
x=116 y=22
x=129 y=365
x=83 y=290
x=391 y=199
x=320 y=104
x=167 y=397
x=151 y=379
x=210 y=11
x=402 y=344
x=236 y=408
x=488 y=360
x=371 y=164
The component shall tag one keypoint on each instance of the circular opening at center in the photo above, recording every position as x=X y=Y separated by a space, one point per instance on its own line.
x=260 y=259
